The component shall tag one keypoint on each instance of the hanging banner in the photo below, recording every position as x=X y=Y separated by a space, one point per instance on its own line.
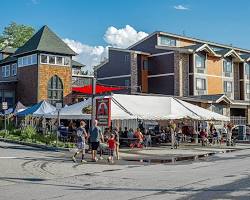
x=103 y=111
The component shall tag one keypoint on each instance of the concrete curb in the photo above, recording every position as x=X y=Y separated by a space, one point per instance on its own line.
x=41 y=146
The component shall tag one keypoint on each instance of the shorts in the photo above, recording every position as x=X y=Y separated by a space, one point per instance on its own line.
x=81 y=145
x=111 y=152
x=94 y=145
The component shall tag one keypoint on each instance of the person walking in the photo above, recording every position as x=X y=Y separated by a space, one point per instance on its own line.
x=81 y=135
x=95 y=138
x=230 y=128
x=117 y=139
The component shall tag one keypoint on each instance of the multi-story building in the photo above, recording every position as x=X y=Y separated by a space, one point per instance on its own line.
x=41 y=69
x=170 y=64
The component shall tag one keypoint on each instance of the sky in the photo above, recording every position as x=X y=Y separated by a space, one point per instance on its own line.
x=90 y=26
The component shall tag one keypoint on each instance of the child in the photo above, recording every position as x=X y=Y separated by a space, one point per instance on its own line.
x=81 y=135
x=111 y=146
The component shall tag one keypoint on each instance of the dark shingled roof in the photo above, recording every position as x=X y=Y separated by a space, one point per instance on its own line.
x=77 y=64
x=213 y=97
x=193 y=47
x=245 y=56
x=223 y=52
x=47 y=41
x=9 y=50
x=9 y=59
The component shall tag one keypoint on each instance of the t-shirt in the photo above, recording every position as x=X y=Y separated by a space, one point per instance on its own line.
x=111 y=143
x=80 y=132
x=95 y=134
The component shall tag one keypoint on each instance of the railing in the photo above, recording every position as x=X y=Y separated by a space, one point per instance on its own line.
x=238 y=120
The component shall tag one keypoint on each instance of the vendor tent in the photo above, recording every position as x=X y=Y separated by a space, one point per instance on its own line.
x=164 y=108
x=143 y=107
x=38 y=110
x=77 y=111
x=19 y=107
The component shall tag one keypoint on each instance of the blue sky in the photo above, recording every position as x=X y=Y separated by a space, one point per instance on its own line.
x=86 y=21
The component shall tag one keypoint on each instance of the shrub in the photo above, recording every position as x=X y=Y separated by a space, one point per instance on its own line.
x=28 y=132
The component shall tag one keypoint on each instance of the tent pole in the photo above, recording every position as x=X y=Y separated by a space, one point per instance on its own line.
x=93 y=101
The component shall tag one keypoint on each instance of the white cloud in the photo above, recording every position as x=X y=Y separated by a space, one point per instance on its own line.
x=181 y=7
x=93 y=55
x=123 y=37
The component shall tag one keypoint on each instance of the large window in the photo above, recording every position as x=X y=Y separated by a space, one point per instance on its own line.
x=165 y=40
x=200 y=61
x=227 y=66
x=55 y=90
x=13 y=69
x=200 y=84
x=248 y=88
x=228 y=86
x=27 y=60
x=54 y=60
x=247 y=69
x=6 y=71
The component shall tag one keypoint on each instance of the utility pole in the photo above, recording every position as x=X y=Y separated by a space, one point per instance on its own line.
x=93 y=101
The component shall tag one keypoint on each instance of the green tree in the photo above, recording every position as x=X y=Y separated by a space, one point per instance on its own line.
x=15 y=35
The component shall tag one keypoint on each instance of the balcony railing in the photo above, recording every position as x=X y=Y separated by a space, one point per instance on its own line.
x=238 y=120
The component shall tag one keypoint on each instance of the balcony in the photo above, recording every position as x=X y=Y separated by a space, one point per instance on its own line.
x=238 y=120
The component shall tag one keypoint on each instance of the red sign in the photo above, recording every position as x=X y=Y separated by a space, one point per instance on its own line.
x=103 y=111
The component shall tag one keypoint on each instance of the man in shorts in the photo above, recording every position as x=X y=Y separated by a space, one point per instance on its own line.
x=81 y=134
x=95 y=138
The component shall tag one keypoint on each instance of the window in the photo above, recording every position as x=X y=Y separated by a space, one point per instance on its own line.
x=227 y=66
x=218 y=109
x=34 y=58
x=14 y=69
x=248 y=88
x=44 y=59
x=59 y=60
x=126 y=58
x=52 y=60
x=66 y=61
x=200 y=61
x=200 y=84
x=1 y=56
x=164 y=40
x=247 y=69
x=27 y=60
x=145 y=65
x=55 y=90
x=6 y=71
x=228 y=86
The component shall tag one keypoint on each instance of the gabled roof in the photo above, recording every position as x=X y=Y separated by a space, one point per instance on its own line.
x=77 y=64
x=213 y=98
x=47 y=41
x=245 y=57
x=202 y=47
x=8 y=50
x=9 y=59
x=230 y=52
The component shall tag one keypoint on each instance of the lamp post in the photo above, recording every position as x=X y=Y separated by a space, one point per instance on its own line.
x=93 y=101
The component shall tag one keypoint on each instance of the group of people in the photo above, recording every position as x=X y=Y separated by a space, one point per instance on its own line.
x=97 y=141
x=215 y=136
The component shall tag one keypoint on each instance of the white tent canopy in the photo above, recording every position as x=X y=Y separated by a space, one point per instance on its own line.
x=164 y=108
x=75 y=111
x=142 y=107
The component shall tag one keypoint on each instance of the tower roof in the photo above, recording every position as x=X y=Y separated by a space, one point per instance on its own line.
x=47 y=41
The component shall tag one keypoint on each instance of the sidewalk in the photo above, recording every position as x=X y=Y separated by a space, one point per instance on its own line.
x=164 y=154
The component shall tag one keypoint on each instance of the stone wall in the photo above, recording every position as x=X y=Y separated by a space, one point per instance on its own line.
x=181 y=68
x=45 y=74
x=236 y=81
x=134 y=73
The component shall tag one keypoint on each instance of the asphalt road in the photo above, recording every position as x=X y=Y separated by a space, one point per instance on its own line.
x=28 y=173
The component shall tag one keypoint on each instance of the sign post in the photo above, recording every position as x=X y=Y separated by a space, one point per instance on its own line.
x=5 y=107
x=103 y=111
x=58 y=108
